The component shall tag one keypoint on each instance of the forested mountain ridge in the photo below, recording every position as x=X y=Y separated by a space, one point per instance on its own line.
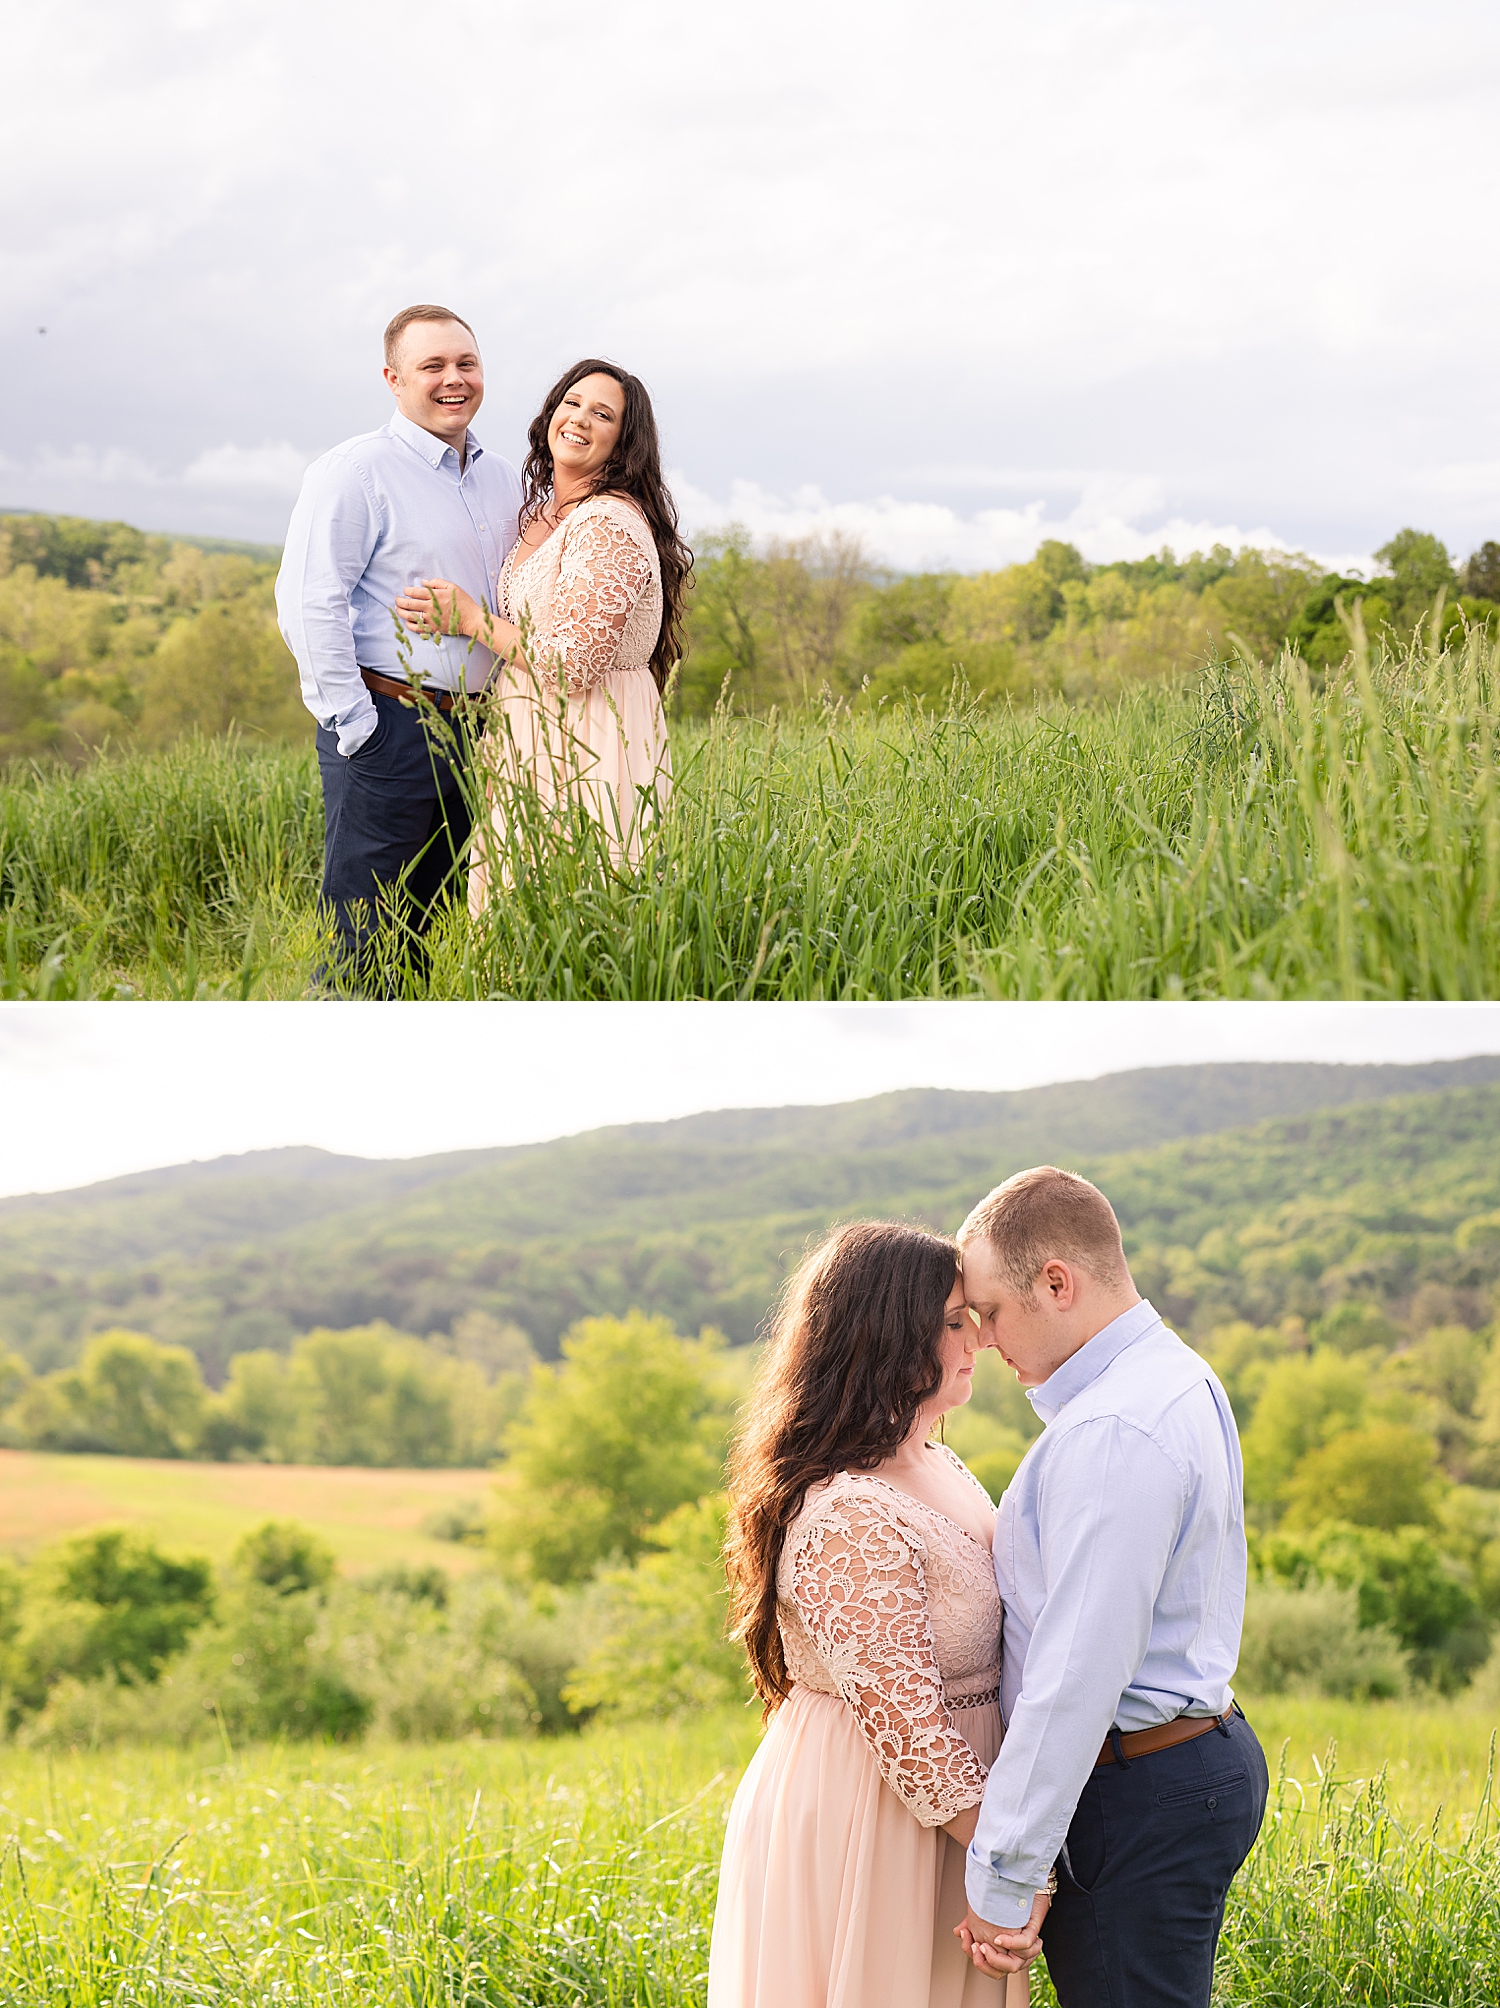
x=1345 y=1186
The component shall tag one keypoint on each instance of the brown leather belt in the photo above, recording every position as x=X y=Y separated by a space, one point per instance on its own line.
x=1144 y=1742
x=389 y=687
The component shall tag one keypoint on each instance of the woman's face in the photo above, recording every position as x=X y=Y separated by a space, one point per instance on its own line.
x=958 y=1350
x=585 y=428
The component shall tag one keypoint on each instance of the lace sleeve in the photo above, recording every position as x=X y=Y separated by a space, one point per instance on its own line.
x=856 y=1579
x=602 y=574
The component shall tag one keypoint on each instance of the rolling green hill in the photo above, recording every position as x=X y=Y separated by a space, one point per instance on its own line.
x=1246 y=1191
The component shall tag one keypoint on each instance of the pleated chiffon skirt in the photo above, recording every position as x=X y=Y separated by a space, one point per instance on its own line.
x=833 y=1895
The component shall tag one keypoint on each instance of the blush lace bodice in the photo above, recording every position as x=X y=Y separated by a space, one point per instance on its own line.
x=591 y=594
x=893 y=1606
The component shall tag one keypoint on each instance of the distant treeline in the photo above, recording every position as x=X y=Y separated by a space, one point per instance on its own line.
x=815 y=619
x=370 y=1396
x=110 y=635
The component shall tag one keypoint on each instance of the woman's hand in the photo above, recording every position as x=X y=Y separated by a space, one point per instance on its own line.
x=438 y=607
x=1000 y=1952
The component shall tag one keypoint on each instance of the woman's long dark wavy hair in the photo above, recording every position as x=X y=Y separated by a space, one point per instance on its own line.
x=855 y=1350
x=633 y=469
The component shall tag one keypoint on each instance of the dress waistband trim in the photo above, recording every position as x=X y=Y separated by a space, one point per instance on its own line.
x=982 y=1699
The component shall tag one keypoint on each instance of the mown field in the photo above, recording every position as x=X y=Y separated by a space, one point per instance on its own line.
x=371 y=1519
x=1247 y=833
x=581 y=1870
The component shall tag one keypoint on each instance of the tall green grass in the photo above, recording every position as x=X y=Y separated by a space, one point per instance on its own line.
x=1256 y=833
x=539 y=1874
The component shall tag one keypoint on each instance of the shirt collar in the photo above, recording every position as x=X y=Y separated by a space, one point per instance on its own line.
x=432 y=449
x=1090 y=1360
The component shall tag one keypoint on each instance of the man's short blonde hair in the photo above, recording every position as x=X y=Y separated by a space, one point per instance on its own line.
x=1045 y=1215
x=407 y=318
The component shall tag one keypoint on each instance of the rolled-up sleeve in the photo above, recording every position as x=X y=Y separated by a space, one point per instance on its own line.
x=329 y=541
x=1109 y=1513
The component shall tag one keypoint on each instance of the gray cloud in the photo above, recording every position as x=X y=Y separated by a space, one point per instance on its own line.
x=1218 y=270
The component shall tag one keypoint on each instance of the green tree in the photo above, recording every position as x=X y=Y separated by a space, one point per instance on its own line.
x=897 y=616
x=219 y=667
x=1383 y=1476
x=1485 y=1454
x=141 y=1399
x=1304 y=1401
x=627 y=1428
x=1320 y=632
x=1420 y=568
x=128 y=1396
x=1481 y=575
x=1354 y=1327
x=1242 y=1355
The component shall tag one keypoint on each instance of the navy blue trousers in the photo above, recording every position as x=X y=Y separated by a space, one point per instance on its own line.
x=1148 y=1862
x=393 y=812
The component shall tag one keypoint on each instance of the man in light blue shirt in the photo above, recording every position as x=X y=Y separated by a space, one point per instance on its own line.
x=418 y=499
x=1120 y=1555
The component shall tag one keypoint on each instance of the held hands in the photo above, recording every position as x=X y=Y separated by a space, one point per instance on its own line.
x=438 y=607
x=995 y=1951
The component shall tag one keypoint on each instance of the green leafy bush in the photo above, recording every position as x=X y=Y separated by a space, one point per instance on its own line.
x=1311 y=1641
x=662 y=1650
x=108 y=1602
x=1401 y=1579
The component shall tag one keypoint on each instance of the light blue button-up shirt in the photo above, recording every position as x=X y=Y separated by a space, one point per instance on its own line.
x=376 y=515
x=1120 y=1555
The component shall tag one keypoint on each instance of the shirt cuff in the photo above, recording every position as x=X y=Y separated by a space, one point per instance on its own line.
x=991 y=1897
x=354 y=730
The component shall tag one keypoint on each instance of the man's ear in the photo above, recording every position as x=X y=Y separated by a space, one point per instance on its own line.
x=1060 y=1284
x=392 y=379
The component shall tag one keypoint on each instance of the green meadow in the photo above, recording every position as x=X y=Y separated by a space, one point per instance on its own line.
x=538 y=1873
x=370 y=1519
x=1244 y=832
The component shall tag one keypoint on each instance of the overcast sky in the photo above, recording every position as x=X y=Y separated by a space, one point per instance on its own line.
x=93 y=1091
x=955 y=276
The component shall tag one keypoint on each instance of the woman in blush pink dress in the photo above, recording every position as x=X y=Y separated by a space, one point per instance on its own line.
x=587 y=627
x=865 y=1597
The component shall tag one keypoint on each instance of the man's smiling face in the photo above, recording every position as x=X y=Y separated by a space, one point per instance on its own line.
x=438 y=379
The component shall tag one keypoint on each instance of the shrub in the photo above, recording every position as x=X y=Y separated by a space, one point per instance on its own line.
x=1401 y=1579
x=284 y=1556
x=109 y=1601
x=663 y=1650
x=1311 y=1641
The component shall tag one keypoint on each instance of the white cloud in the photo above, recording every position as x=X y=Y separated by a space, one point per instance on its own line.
x=98 y=467
x=1111 y=519
x=275 y=469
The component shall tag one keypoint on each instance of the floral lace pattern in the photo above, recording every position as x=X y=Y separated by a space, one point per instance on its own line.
x=592 y=594
x=885 y=1601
